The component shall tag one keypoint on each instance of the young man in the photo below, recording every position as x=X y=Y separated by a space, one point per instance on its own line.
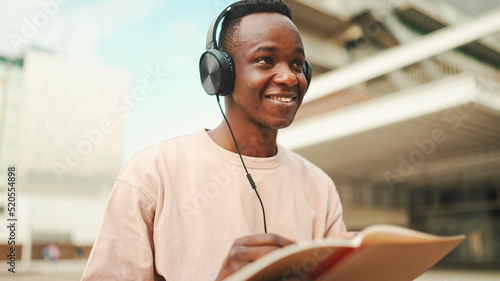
x=184 y=210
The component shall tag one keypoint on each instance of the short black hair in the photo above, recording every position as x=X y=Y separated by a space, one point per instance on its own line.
x=244 y=8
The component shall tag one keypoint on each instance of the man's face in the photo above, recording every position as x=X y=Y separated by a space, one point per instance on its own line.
x=269 y=83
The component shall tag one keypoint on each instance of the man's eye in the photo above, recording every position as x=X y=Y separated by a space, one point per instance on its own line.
x=298 y=64
x=265 y=61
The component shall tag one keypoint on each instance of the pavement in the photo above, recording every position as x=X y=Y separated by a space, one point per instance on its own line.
x=71 y=270
x=63 y=270
x=460 y=275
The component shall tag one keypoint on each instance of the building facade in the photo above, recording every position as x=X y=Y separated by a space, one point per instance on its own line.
x=403 y=113
x=62 y=130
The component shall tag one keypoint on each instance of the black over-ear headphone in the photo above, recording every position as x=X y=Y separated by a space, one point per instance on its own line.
x=217 y=68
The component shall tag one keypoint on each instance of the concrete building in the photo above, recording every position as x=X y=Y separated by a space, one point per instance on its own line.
x=62 y=130
x=404 y=114
x=11 y=83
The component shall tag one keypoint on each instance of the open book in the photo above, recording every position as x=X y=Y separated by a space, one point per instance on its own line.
x=378 y=253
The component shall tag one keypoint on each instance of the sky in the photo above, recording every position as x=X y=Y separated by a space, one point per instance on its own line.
x=129 y=34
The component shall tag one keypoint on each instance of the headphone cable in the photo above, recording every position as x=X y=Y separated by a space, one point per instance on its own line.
x=249 y=177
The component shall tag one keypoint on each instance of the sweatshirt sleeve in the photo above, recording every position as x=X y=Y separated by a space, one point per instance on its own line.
x=124 y=248
x=335 y=221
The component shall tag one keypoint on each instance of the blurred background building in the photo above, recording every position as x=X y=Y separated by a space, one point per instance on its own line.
x=404 y=114
x=59 y=131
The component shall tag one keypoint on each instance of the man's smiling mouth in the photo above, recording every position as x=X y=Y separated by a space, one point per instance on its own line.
x=281 y=98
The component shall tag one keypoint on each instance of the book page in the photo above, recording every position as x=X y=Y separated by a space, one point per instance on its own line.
x=397 y=262
x=380 y=252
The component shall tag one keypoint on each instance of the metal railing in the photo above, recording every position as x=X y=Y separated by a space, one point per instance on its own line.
x=443 y=65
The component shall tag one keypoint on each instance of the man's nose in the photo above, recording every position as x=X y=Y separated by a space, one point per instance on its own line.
x=285 y=76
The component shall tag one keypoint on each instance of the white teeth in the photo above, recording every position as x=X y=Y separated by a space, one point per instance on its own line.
x=284 y=99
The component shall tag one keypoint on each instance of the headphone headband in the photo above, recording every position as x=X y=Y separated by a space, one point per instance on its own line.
x=217 y=68
x=212 y=31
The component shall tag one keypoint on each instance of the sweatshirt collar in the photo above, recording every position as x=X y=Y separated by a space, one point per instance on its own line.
x=251 y=162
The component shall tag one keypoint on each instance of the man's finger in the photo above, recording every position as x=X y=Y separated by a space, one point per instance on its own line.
x=250 y=254
x=266 y=239
x=348 y=235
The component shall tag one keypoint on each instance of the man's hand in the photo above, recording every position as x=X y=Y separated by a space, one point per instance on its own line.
x=249 y=248
x=349 y=234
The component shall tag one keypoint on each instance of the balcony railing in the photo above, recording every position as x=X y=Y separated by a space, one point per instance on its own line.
x=443 y=65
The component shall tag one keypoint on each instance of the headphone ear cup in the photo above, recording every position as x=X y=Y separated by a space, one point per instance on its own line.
x=307 y=69
x=228 y=78
x=217 y=72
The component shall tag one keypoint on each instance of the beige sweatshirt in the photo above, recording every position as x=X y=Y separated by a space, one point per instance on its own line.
x=177 y=207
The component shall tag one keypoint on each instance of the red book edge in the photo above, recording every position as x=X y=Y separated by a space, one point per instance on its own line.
x=333 y=261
